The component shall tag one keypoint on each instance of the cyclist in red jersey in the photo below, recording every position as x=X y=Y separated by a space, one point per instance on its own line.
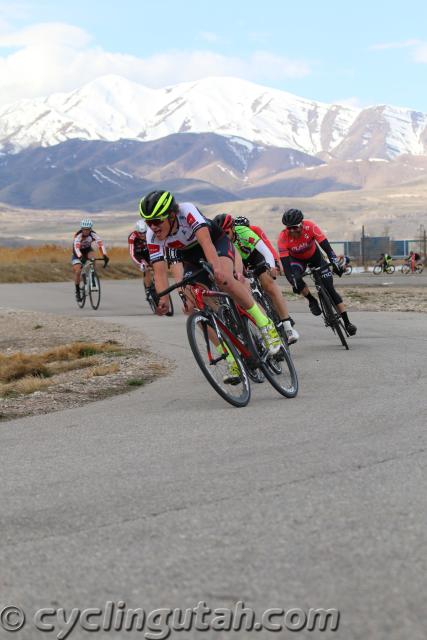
x=298 y=247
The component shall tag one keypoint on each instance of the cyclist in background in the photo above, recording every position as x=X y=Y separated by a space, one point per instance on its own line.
x=255 y=254
x=182 y=226
x=414 y=259
x=385 y=260
x=299 y=246
x=84 y=247
x=137 y=243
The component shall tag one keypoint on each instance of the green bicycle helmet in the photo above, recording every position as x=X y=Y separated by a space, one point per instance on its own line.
x=157 y=204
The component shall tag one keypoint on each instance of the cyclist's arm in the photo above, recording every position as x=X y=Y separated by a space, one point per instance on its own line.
x=76 y=246
x=204 y=239
x=100 y=244
x=266 y=253
x=131 y=244
x=328 y=250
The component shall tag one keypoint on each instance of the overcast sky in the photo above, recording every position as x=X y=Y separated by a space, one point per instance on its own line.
x=359 y=53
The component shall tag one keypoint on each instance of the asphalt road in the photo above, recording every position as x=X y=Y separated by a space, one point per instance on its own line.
x=168 y=496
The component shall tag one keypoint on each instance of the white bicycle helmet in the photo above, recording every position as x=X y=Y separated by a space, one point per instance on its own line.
x=86 y=223
x=141 y=226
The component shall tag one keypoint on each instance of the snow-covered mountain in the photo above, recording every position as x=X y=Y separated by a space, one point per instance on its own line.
x=112 y=108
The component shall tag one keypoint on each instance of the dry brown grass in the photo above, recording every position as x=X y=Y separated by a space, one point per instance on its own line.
x=51 y=263
x=19 y=366
x=51 y=254
x=104 y=370
x=26 y=385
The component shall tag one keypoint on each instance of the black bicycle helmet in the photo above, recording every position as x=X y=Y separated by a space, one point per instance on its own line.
x=242 y=221
x=224 y=220
x=292 y=217
x=156 y=204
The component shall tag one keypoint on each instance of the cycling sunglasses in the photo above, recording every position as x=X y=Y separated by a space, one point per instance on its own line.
x=157 y=221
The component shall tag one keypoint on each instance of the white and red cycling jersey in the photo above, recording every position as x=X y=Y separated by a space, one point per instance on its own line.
x=83 y=244
x=302 y=247
x=189 y=220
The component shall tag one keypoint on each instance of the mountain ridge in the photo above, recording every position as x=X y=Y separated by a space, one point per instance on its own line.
x=113 y=108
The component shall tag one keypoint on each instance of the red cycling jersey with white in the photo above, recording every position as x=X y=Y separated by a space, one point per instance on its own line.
x=264 y=237
x=302 y=247
x=189 y=220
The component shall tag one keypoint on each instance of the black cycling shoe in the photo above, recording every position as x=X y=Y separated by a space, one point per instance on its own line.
x=314 y=307
x=351 y=329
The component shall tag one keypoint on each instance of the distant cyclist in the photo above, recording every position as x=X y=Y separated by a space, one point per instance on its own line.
x=137 y=243
x=413 y=260
x=84 y=248
x=255 y=254
x=299 y=246
x=183 y=227
x=385 y=260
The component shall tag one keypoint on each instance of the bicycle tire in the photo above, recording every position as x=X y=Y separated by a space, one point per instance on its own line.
x=197 y=327
x=276 y=368
x=390 y=269
x=419 y=268
x=94 y=293
x=348 y=270
x=377 y=269
x=82 y=289
x=405 y=269
x=149 y=298
x=332 y=318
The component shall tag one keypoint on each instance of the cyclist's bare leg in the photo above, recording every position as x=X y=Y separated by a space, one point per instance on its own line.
x=271 y=287
x=177 y=270
x=77 y=269
x=237 y=290
x=148 y=277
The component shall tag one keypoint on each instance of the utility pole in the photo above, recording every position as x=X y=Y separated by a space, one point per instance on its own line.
x=363 y=248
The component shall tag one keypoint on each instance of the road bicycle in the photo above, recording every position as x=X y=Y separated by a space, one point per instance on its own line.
x=379 y=268
x=331 y=315
x=263 y=299
x=220 y=332
x=89 y=285
x=407 y=268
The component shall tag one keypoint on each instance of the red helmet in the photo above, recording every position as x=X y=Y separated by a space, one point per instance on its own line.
x=225 y=221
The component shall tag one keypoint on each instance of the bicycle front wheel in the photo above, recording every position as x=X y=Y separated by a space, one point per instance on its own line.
x=94 y=290
x=279 y=369
x=348 y=270
x=390 y=269
x=405 y=268
x=332 y=317
x=228 y=377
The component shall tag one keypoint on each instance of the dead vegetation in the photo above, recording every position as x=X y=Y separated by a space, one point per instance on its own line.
x=52 y=263
x=50 y=362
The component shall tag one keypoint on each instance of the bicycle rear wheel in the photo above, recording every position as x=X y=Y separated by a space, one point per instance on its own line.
x=405 y=268
x=377 y=269
x=94 y=290
x=332 y=317
x=214 y=366
x=279 y=369
x=390 y=269
x=419 y=268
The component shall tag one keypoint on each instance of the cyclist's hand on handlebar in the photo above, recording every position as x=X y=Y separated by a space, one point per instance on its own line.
x=337 y=268
x=106 y=261
x=163 y=306
x=220 y=277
